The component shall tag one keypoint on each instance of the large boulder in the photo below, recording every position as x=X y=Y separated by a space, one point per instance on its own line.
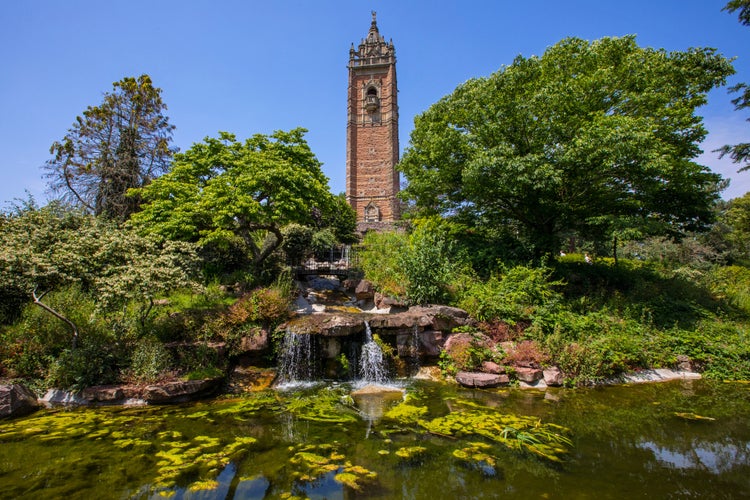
x=528 y=375
x=553 y=376
x=16 y=400
x=364 y=290
x=255 y=343
x=180 y=391
x=327 y=324
x=481 y=380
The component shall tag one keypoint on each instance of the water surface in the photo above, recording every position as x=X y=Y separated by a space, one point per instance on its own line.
x=685 y=439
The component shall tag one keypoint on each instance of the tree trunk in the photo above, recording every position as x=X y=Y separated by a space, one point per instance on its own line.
x=38 y=301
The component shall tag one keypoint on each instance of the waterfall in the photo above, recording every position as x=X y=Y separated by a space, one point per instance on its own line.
x=296 y=359
x=372 y=362
x=414 y=351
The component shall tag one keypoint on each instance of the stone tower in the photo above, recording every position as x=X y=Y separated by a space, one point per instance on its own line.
x=372 y=131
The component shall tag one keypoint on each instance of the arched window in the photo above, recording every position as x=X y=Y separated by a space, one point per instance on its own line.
x=372 y=213
x=371 y=100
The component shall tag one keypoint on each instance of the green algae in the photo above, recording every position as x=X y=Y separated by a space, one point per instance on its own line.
x=520 y=433
x=476 y=455
x=405 y=413
x=333 y=406
x=411 y=452
x=312 y=462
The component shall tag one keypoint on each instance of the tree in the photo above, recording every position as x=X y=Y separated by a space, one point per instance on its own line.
x=221 y=190
x=45 y=249
x=123 y=143
x=739 y=153
x=589 y=138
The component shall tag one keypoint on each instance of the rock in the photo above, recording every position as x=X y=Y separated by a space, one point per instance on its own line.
x=254 y=343
x=180 y=391
x=553 y=377
x=61 y=397
x=492 y=367
x=432 y=342
x=432 y=321
x=250 y=379
x=528 y=375
x=429 y=373
x=684 y=363
x=103 y=394
x=327 y=324
x=16 y=400
x=390 y=303
x=364 y=290
x=482 y=380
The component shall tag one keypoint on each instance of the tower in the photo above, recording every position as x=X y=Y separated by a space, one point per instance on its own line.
x=372 y=182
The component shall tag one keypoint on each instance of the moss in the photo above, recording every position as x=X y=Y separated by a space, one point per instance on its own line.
x=410 y=452
x=520 y=433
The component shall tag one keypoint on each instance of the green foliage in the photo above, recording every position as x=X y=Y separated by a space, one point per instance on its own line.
x=466 y=352
x=379 y=258
x=38 y=337
x=149 y=361
x=428 y=263
x=43 y=249
x=121 y=144
x=589 y=139
x=322 y=242
x=517 y=294
x=221 y=190
x=297 y=242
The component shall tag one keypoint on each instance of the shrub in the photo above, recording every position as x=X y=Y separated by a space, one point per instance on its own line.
x=527 y=353
x=150 y=359
x=518 y=294
x=427 y=264
x=379 y=258
x=466 y=351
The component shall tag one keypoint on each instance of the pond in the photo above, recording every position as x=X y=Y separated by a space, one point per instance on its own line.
x=420 y=440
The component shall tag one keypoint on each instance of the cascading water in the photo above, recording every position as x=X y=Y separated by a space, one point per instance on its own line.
x=371 y=361
x=297 y=359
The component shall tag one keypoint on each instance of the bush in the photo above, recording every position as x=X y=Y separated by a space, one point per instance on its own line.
x=466 y=351
x=518 y=294
x=150 y=360
x=379 y=258
x=429 y=270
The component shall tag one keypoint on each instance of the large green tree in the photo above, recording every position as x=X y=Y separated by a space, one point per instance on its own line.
x=739 y=153
x=221 y=190
x=591 y=138
x=122 y=143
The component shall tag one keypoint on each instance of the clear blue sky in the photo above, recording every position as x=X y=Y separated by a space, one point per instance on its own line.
x=254 y=67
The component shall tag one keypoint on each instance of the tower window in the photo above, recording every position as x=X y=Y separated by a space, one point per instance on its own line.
x=371 y=100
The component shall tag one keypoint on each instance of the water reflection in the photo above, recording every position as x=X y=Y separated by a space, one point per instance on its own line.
x=715 y=457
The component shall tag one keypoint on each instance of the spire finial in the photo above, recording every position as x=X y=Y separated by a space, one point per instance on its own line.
x=373 y=16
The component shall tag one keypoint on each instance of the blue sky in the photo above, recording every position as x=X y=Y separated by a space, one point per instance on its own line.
x=254 y=67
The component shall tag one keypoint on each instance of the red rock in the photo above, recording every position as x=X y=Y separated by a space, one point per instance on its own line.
x=528 y=375
x=180 y=390
x=492 y=367
x=482 y=380
x=553 y=377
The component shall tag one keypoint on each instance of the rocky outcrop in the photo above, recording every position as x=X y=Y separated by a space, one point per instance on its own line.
x=481 y=380
x=16 y=400
x=256 y=343
x=180 y=391
x=553 y=376
x=423 y=318
x=364 y=291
